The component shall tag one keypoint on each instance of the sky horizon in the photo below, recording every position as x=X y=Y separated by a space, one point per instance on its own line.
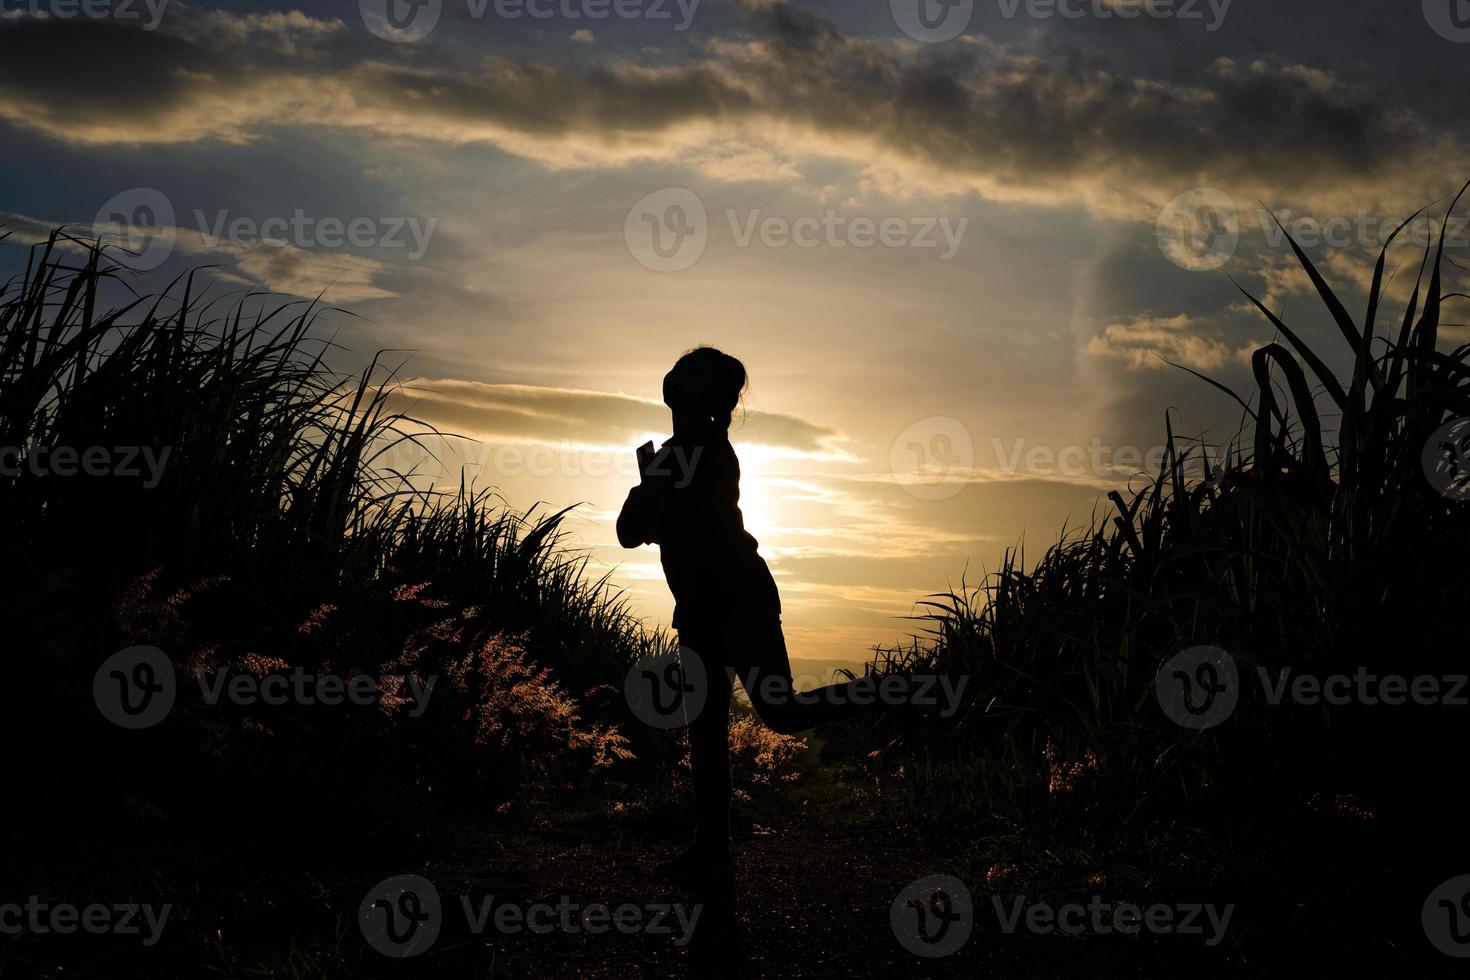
x=963 y=249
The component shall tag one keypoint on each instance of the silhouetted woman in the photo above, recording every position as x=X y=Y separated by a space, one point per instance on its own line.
x=727 y=608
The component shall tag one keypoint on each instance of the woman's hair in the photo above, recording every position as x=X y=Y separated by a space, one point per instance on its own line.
x=706 y=383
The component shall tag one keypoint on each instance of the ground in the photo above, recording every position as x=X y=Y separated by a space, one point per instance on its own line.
x=820 y=863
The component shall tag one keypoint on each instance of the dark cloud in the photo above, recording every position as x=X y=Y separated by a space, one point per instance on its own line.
x=112 y=70
x=541 y=100
x=978 y=114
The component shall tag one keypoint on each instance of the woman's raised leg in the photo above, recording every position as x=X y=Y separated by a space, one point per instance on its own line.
x=765 y=671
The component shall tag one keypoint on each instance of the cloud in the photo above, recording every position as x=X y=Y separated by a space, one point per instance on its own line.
x=978 y=118
x=278 y=266
x=594 y=419
x=1151 y=342
x=24 y=230
x=285 y=268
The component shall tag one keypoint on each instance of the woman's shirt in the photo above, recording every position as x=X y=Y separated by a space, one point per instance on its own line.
x=689 y=505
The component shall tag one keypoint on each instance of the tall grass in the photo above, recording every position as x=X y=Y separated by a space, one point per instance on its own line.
x=1320 y=549
x=275 y=534
x=274 y=465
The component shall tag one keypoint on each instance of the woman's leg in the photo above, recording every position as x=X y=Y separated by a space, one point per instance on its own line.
x=766 y=673
x=709 y=762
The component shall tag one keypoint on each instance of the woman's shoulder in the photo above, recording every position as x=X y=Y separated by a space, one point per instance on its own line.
x=711 y=457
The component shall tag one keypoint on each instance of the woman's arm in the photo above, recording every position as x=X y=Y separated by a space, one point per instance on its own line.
x=638 y=520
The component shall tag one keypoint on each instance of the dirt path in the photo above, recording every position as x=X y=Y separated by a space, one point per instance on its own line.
x=817 y=875
x=806 y=902
x=812 y=900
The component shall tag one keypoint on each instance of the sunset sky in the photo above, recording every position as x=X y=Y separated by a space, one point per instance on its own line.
x=954 y=264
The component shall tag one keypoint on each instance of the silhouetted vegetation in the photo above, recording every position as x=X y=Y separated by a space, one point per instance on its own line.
x=275 y=538
x=1321 y=548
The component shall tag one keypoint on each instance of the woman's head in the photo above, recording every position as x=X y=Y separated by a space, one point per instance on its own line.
x=705 y=384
